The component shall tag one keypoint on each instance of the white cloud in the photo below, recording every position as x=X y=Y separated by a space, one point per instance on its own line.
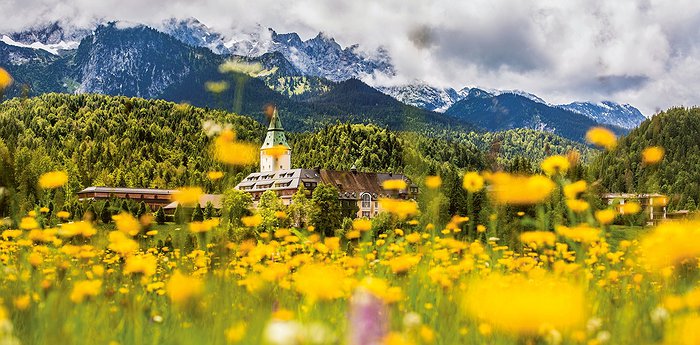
x=643 y=52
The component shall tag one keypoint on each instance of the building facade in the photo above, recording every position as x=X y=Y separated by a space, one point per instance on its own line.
x=153 y=198
x=654 y=205
x=361 y=188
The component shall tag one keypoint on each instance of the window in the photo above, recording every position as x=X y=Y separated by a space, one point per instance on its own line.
x=365 y=214
x=366 y=201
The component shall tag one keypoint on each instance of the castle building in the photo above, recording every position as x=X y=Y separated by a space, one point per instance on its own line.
x=361 y=188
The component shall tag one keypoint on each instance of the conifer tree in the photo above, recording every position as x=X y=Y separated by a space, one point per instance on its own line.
x=198 y=214
x=160 y=216
x=106 y=213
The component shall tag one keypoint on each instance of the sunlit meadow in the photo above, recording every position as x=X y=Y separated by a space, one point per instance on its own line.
x=527 y=276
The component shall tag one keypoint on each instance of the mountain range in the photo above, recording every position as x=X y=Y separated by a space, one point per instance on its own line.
x=316 y=81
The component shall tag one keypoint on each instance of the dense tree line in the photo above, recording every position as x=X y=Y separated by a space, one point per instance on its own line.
x=677 y=130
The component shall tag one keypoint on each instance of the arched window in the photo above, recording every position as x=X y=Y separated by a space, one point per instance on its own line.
x=366 y=200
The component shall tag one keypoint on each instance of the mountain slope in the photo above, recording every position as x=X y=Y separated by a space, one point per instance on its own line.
x=678 y=175
x=508 y=111
x=621 y=115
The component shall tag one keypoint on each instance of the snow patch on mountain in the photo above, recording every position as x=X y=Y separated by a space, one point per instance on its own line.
x=51 y=48
x=606 y=112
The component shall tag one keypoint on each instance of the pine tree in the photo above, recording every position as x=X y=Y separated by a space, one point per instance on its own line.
x=142 y=210
x=106 y=213
x=198 y=214
x=326 y=214
x=209 y=211
x=160 y=216
x=179 y=215
x=125 y=207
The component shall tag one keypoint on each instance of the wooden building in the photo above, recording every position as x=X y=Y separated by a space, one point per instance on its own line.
x=153 y=198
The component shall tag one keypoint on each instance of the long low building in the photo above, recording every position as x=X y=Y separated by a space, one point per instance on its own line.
x=153 y=198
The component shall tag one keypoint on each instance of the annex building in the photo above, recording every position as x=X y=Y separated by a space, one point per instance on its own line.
x=361 y=188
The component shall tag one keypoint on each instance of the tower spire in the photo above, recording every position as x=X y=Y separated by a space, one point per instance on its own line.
x=275 y=153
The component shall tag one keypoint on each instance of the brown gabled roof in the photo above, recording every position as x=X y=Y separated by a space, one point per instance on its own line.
x=359 y=182
x=215 y=199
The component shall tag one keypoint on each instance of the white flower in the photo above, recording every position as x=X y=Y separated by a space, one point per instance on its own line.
x=412 y=320
x=283 y=332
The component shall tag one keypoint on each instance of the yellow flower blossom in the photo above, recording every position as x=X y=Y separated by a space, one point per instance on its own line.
x=472 y=182
x=52 y=180
x=602 y=137
x=204 y=226
x=252 y=221
x=22 y=302
x=652 y=155
x=215 y=175
x=216 y=86
x=539 y=238
x=520 y=190
x=276 y=151
x=28 y=223
x=320 y=282
x=630 y=207
x=396 y=184
x=84 y=289
x=523 y=306
x=605 y=216
x=127 y=224
x=236 y=333
x=555 y=165
x=362 y=224
x=187 y=196
x=402 y=264
x=143 y=264
x=572 y=190
x=433 y=182
x=581 y=233
x=229 y=151
x=5 y=79
x=181 y=288
x=63 y=215
x=121 y=244
x=401 y=208
x=671 y=243
x=577 y=205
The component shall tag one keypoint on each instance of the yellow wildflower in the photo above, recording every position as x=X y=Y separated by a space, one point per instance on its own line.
x=228 y=150
x=652 y=154
x=472 y=182
x=28 y=223
x=602 y=137
x=44 y=210
x=85 y=288
x=252 y=221
x=555 y=165
x=216 y=86
x=523 y=306
x=401 y=208
x=204 y=226
x=396 y=184
x=538 y=238
x=320 y=282
x=235 y=334
x=120 y=243
x=605 y=216
x=52 y=180
x=577 y=205
x=63 y=215
x=144 y=264
x=630 y=207
x=362 y=224
x=672 y=243
x=402 y=264
x=22 y=302
x=127 y=224
x=187 y=196
x=215 y=175
x=181 y=288
x=433 y=182
x=572 y=190
x=581 y=233
x=520 y=190
x=276 y=151
x=5 y=79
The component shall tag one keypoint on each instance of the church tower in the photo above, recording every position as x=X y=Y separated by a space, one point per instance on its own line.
x=275 y=153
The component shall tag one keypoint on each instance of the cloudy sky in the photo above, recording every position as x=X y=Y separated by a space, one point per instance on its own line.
x=642 y=52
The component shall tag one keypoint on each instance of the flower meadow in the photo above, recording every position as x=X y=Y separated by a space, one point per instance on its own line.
x=522 y=277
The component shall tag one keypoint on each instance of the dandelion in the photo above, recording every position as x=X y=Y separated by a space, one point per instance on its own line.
x=22 y=302
x=576 y=205
x=523 y=306
x=520 y=190
x=472 y=182
x=229 y=151
x=187 y=196
x=63 y=215
x=362 y=224
x=181 y=288
x=235 y=334
x=671 y=243
x=403 y=263
x=555 y=165
x=127 y=224
x=652 y=155
x=572 y=190
x=394 y=184
x=84 y=289
x=538 y=238
x=121 y=244
x=630 y=207
x=53 y=180
x=605 y=216
x=215 y=175
x=216 y=86
x=433 y=182
x=252 y=221
x=602 y=137
x=581 y=233
x=84 y=229
x=276 y=151
x=5 y=79
x=143 y=264
x=28 y=223
x=204 y=226
x=320 y=282
x=401 y=208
